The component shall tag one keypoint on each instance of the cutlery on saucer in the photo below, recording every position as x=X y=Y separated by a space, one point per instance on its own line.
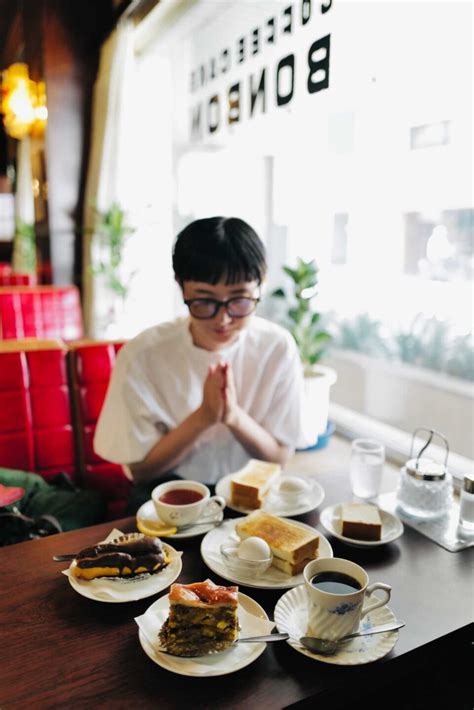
x=248 y=639
x=327 y=647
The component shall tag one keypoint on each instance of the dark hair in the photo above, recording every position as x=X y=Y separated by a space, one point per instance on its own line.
x=217 y=248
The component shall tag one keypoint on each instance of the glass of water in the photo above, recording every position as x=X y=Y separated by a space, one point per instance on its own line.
x=367 y=460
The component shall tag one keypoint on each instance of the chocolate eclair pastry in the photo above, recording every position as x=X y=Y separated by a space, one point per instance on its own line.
x=124 y=557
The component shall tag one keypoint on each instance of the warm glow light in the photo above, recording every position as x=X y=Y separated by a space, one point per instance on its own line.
x=23 y=103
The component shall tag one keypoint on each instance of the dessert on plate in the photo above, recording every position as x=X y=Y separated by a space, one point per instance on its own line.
x=202 y=619
x=361 y=521
x=249 y=486
x=126 y=556
x=292 y=546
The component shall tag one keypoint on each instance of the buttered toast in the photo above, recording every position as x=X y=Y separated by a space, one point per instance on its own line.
x=249 y=486
x=292 y=546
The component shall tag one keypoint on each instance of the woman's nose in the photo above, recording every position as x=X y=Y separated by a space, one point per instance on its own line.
x=222 y=316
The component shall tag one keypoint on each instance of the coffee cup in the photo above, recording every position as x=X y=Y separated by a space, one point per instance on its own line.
x=184 y=502
x=338 y=592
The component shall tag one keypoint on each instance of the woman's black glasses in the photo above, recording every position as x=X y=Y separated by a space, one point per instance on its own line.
x=238 y=307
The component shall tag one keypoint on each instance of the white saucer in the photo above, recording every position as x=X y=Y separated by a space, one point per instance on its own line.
x=271 y=579
x=214 y=664
x=392 y=527
x=291 y=617
x=274 y=502
x=117 y=590
x=147 y=513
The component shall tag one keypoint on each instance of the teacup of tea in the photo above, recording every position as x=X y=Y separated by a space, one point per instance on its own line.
x=338 y=591
x=184 y=502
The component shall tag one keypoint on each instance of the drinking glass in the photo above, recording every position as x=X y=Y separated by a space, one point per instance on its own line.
x=367 y=460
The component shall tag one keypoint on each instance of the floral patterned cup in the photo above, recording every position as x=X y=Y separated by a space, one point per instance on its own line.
x=332 y=614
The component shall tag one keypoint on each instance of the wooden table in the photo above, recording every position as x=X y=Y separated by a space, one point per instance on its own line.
x=59 y=649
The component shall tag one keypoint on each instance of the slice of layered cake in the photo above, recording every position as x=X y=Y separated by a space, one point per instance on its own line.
x=202 y=619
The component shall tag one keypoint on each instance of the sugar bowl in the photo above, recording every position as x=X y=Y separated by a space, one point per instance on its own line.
x=426 y=486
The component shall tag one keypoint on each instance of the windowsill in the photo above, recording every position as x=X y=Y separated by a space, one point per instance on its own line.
x=351 y=424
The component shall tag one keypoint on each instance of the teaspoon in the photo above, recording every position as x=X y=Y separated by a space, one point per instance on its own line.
x=327 y=647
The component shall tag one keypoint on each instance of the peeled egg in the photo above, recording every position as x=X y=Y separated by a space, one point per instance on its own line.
x=253 y=548
x=294 y=486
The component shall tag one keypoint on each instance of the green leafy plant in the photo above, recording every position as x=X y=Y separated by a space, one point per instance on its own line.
x=111 y=233
x=303 y=322
x=24 y=251
x=362 y=334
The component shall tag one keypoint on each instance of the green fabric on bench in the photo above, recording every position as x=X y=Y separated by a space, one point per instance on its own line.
x=71 y=506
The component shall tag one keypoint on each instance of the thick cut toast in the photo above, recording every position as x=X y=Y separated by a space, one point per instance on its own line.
x=249 y=485
x=287 y=541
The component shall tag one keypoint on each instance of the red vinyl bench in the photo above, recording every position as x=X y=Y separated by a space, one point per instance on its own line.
x=36 y=426
x=90 y=367
x=40 y=312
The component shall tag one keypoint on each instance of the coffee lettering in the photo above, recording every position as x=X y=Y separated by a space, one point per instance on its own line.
x=241 y=50
x=196 y=126
x=305 y=11
x=255 y=41
x=318 y=75
x=325 y=8
x=225 y=61
x=288 y=12
x=271 y=36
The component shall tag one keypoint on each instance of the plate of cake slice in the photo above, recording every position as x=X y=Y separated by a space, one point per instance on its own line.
x=361 y=524
x=263 y=485
x=292 y=545
x=193 y=630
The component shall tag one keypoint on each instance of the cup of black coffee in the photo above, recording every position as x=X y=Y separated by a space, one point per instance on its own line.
x=338 y=591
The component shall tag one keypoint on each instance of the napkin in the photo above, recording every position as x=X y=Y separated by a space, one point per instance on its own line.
x=152 y=620
x=124 y=589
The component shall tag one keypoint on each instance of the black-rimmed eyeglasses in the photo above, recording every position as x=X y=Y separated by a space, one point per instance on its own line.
x=237 y=307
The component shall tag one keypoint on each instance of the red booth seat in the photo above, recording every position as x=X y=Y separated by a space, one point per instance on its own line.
x=36 y=428
x=91 y=365
x=40 y=312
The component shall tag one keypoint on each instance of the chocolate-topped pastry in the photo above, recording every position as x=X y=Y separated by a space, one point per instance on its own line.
x=127 y=556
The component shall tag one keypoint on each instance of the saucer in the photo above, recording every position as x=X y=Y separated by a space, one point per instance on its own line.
x=272 y=578
x=274 y=502
x=291 y=617
x=147 y=514
x=392 y=527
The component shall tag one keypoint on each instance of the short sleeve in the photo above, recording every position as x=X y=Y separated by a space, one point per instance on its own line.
x=283 y=418
x=132 y=419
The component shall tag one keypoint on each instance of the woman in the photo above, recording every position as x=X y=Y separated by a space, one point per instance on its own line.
x=200 y=396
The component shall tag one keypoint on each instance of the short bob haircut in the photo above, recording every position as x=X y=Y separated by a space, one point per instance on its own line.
x=219 y=249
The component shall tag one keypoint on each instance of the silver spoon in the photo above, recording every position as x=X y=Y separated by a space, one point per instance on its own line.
x=327 y=647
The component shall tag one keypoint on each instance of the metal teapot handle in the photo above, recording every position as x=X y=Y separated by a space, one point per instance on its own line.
x=432 y=433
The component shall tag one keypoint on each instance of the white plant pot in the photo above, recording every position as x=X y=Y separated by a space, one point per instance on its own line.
x=317 y=385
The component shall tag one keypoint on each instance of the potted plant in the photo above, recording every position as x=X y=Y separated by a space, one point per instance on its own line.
x=110 y=234
x=304 y=323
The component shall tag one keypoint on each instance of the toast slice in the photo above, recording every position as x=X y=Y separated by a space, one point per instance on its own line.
x=249 y=486
x=361 y=521
x=290 y=568
x=287 y=540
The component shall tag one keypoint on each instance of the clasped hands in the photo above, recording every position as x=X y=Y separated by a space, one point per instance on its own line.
x=219 y=401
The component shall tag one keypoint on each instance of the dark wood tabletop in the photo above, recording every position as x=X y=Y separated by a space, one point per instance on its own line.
x=59 y=649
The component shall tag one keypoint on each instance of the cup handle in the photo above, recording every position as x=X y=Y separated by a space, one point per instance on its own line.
x=386 y=588
x=218 y=500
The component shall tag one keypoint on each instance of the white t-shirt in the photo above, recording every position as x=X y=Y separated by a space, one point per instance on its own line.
x=158 y=381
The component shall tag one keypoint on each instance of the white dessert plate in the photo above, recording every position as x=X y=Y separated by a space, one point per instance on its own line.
x=291 y=616
x=222 y=663
x=116 y=590
x=147 y=514
x=273 y=578
x=392 y=527
x=274 y=501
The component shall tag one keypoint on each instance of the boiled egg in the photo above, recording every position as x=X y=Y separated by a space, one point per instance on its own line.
x=254 y=549
x=293 y=487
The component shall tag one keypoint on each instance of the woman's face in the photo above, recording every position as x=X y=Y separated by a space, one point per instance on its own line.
x=222 y=329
